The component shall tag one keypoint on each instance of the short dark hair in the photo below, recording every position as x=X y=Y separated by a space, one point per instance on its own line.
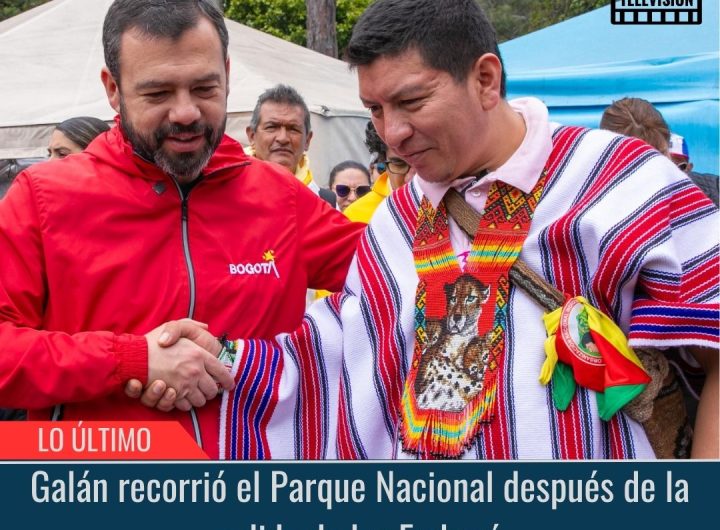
x=347 y=164
x=638 y=118
x=450 y=35
x=281 y=94
x=374 y=143
x=156 y=18
x=83 y=129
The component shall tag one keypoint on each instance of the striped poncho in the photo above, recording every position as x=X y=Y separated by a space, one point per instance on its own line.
x=616 y=224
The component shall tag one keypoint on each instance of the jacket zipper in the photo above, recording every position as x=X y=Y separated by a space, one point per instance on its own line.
x=188 y=259
x=58 y=410
x=191 y=276
x=191 y=280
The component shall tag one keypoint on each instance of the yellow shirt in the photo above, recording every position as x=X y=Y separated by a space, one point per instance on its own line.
x=302 y=171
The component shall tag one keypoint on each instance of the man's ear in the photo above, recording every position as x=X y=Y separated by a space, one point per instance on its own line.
x=250 y=134
x=112 y=89
x=486 y=75
x=307 y=140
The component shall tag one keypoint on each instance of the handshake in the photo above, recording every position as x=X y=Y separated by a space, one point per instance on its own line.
x=183 y=367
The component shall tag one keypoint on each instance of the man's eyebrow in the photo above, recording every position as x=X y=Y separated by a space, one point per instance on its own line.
x=153 y=83
x=399 y=93
x=406 y=91
x=210 y=77
x=284 y=123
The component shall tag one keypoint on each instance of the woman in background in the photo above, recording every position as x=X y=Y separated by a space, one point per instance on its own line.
x=349 y=180
x=74 y=135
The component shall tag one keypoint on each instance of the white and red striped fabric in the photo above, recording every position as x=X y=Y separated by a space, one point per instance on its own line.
x=617 y=224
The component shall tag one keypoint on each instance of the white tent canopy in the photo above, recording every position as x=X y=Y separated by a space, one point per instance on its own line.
x=51 y=56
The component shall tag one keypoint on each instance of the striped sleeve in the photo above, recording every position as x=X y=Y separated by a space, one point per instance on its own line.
x=246 y=410
x=679 y=285
x=286 y=397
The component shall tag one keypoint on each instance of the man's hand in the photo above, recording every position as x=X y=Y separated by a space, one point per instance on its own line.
x=183 y=368
x=156 y=395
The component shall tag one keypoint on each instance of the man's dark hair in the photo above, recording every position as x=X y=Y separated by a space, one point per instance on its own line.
x=450 y=35
x=347 y=164
x=374 y=143
x=280 y=94
x=156 y=18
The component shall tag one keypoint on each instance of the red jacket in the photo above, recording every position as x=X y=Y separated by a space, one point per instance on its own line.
x=94 y=255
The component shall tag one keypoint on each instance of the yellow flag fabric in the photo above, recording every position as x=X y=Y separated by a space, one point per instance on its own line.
x=585 y=347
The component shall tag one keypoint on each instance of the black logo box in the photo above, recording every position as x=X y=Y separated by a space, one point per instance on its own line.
x=642 y=12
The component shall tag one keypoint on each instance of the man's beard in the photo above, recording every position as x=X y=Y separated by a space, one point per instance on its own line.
x=185 y=167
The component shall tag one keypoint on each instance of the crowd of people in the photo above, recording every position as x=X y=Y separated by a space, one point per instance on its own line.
x=157 y=269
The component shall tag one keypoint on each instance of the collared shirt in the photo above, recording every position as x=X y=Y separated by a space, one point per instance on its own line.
x=522 y=170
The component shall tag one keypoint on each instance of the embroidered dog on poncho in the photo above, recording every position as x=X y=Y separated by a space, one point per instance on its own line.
x=452 y=366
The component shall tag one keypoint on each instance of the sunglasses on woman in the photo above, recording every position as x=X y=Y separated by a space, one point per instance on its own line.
x=342 y=191
x=396 y=166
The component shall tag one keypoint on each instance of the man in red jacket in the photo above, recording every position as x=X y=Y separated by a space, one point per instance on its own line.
x=162 y=217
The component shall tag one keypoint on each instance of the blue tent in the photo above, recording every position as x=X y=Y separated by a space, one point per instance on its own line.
x=580 y=66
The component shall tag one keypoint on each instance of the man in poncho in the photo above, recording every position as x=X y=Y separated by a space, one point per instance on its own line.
x=430 y=350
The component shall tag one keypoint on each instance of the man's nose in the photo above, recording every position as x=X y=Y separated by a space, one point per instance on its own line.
x=397 y=129
x=282 y=135
x=184 y=111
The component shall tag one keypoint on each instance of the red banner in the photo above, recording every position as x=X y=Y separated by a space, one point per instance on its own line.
x=97 y=440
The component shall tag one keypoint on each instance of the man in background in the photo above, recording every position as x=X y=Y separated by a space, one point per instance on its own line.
x=280 y=132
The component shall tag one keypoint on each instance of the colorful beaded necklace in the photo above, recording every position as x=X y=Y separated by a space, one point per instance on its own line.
x=460 y=320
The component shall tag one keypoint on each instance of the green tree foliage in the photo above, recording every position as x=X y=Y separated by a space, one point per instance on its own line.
x=553 y=11
x=348 y=11
x=286 y=18
x=511 y=18
x=514 y=18
x=282 y=18
x=10 y=8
